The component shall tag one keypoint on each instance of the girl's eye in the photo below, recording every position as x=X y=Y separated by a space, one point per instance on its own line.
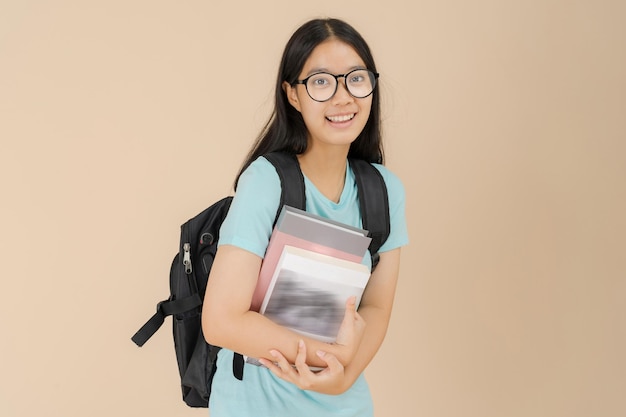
x=319 y=81
x=357 y=78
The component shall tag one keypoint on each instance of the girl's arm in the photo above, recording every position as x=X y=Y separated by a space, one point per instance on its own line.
x=228 y=322
x=375 y=309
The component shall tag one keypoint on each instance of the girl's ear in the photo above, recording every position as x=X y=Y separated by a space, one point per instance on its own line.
x=292 y=95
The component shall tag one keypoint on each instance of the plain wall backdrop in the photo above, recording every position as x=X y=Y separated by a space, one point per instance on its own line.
x=506 y=120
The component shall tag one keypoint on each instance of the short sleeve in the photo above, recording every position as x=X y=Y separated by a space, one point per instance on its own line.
x=249 y=222
x=398 y=235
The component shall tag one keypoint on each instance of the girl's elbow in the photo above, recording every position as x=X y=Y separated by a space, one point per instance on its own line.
x=210 y=336
x=211 y=327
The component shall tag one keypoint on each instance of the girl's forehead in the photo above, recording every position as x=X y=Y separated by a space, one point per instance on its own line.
x=333 y=55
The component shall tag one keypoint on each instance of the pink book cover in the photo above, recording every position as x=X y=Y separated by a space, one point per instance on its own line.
x=274 y=250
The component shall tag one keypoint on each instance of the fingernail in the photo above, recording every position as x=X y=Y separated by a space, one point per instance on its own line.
x=274 y=353
x=301 y=343
x=320 y=353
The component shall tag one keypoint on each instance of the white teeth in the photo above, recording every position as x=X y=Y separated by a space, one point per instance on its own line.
x=344 y=118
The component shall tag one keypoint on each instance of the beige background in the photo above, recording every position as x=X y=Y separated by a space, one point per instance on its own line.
x=505 y=119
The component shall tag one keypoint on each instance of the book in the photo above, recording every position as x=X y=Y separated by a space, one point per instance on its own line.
x=323 y=231
x=308 y=291
x=301 y=229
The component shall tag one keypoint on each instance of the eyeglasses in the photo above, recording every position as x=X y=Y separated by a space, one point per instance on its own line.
x=322 y=86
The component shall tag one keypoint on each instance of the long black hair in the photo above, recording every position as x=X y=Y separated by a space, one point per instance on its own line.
x=285 y=130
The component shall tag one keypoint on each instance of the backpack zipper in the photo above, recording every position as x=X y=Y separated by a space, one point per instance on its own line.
x=187 y=258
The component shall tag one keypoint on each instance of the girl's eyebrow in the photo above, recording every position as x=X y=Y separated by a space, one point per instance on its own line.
x=316 y=70
x=321 y=69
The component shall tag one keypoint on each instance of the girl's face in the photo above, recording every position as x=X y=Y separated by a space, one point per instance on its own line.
x=341 y=119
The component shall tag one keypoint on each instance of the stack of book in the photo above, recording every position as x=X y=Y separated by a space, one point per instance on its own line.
x=311 y=267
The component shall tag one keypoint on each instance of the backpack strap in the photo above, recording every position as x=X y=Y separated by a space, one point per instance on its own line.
x=291 y=180
x=165 y=308
x=374 y=204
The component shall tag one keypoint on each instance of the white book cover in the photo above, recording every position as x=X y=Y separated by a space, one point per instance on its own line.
x=308 y=292
x=305 y=230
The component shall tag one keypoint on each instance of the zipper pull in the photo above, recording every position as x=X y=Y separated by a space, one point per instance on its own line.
x=187 y=258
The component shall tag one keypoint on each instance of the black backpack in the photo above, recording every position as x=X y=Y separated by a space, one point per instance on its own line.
x=191 y=265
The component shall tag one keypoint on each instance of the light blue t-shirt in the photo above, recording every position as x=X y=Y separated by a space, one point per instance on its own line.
x=248 y=225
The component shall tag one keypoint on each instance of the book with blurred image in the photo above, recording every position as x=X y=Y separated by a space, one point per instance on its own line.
x=308 y=231
x=311 y=267
x=308 y=292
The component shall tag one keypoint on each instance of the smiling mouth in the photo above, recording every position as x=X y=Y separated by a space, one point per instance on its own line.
x=343 y=118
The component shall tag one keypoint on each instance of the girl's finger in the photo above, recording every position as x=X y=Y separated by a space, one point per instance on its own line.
x=281 y=361
x=301 y=365
x=331 y=360
x=350 y=311
x=271 y=366
x=351 y=305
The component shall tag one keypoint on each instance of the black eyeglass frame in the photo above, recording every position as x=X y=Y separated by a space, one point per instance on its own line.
x=344 y=76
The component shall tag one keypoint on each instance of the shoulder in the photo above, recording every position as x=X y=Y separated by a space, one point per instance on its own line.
x=250 y=218
x=259 y=179
x=396 y=194
x=259 y=186
x=259 y=170
x=392 y=181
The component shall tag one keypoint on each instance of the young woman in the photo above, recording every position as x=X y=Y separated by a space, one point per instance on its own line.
x=327 y=108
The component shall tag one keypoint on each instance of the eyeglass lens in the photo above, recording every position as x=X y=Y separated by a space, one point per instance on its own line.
x=360 y=83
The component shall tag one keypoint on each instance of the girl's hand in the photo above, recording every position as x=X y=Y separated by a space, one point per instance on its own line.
x=350 y=333
x=329 y=380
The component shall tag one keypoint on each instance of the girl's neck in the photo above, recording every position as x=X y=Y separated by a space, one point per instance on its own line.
x=326 y=170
